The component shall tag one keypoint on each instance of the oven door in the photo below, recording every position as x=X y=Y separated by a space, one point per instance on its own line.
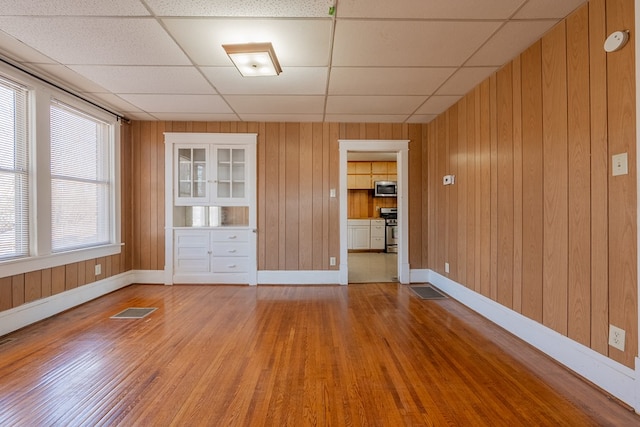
x=392 y=238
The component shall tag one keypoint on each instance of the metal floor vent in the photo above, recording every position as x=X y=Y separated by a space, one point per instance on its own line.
x=428 y=292
x=134 y=313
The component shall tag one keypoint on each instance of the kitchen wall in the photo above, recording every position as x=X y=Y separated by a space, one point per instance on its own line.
x=535 y=220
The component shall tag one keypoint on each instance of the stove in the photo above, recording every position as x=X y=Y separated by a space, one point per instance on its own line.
x=390 y=216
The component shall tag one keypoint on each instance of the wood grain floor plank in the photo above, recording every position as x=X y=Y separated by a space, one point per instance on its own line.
x=369 y=354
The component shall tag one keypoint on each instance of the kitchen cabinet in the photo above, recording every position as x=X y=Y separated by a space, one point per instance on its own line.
x=362 y=175
x=377 y=234
x=358 y=234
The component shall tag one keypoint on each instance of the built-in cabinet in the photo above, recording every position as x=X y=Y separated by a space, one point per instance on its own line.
x=363 y=234
x=211 y=208
x=362 y=175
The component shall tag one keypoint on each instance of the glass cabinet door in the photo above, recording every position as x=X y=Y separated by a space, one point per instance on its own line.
x=192 y=175
x=230 y=174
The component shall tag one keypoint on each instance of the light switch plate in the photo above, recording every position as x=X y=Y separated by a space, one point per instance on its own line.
x=619 y=164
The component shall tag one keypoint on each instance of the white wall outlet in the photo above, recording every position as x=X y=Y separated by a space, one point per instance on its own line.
x=332 y=192
x=98 y=269
x=446 y=180
x=446 y=267
x=332 y=260
x=616 y=337
x=620 y=164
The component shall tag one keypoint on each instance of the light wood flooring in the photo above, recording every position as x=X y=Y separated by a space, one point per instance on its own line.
x=356 y=355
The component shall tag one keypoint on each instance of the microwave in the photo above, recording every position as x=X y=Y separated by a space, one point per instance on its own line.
x=385 y=189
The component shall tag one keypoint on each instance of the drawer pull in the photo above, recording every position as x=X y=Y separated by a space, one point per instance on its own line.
x=232 y=251
x=233 y=237
x=231 y=266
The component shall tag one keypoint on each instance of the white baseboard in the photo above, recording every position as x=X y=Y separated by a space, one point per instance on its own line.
x=298 y=277
x=148 y=277
x=611 y=376
x=419 y=276
x=26 y=314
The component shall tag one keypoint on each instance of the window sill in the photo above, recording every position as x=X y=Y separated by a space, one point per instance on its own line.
x=25 y=265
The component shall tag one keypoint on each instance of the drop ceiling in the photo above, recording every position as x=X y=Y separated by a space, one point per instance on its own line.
x=402 y=61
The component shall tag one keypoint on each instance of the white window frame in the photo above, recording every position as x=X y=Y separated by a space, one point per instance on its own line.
x=41 y=256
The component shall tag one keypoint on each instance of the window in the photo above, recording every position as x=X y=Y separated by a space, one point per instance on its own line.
x=14 y=178
x=80 y=179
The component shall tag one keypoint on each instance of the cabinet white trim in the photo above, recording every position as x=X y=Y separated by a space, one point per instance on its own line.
x=216 y=261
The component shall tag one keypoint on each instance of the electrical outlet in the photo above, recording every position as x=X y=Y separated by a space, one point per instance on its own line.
x=619 y=164
x=98 y=269
x=332 y=260
x=446 y=267
x=616 y=337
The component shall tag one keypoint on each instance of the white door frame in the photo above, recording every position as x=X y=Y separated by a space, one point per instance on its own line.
x=401 y=148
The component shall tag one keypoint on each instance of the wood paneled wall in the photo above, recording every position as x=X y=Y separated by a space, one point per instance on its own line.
x=535 y=221
x=298 y=223
x=27 y=287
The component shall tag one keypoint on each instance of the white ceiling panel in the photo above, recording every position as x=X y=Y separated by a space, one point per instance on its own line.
x=373 y=104
x=131 y=79
x=507 y=42
x=421 y=118
x=264 y=8
x=387 y=81
x=545 y=9
x=59 y=74
x=178 y=103
x=291 y=117
x=196 y=117
x=437 y=104
x=366 y=118
x=74 y=7
x=428 y=9
x=292 y=81
x=68 y=40
x=116 y=101
x=408 y=43
x=465 y=79
x=243 y=104
x=296 y=42
x=12 y=48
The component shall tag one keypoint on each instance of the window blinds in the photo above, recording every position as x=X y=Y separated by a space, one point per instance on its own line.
x=80 y=179
x=14 y=182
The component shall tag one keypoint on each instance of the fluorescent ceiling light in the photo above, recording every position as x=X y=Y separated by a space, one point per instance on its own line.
x=254 y=59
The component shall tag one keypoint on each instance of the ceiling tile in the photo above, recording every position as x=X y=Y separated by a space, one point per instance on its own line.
x=74 y=8
x=153 y=103
x=272 y=8
x=293 y=117
x=387 y=81
x=63 y=75
x=72 y=40
x=132 y=79
x=428 y=9
x=268 y=104
x=113 y=102
x=139 y=116
x=196 y=117
x=296 y=42
x=536 y=9
x=437 y=104
x=465 y=79
x=292 y=81
x=408 y=43
x=366 y=118
x=509 y=42
x=373 y=104
x=421 y=118
x=19 y=51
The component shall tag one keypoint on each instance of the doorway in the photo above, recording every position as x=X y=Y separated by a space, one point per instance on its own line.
x=398 y=149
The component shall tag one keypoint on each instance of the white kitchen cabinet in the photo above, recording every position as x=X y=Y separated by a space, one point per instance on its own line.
x=358 y=234
x=191 y=175
x=377 y=234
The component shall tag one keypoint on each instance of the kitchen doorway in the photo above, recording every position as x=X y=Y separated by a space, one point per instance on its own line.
x=363 y=266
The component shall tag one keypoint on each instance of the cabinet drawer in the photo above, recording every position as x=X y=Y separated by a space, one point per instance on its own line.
x=234 y=235
x=377 y=242
x=192 y=239
x=230 y=265
x=230 y=249
x=377 y=231
x=192 y=265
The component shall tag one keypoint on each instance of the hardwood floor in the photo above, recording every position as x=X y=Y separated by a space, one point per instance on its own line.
x=369 y=354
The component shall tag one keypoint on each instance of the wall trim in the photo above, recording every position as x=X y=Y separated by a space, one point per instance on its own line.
x=319 y=277
x=611 y=376
x=26 y=314
x=148 y=277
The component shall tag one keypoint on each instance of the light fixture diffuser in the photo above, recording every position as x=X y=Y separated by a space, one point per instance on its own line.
x=254 y=59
